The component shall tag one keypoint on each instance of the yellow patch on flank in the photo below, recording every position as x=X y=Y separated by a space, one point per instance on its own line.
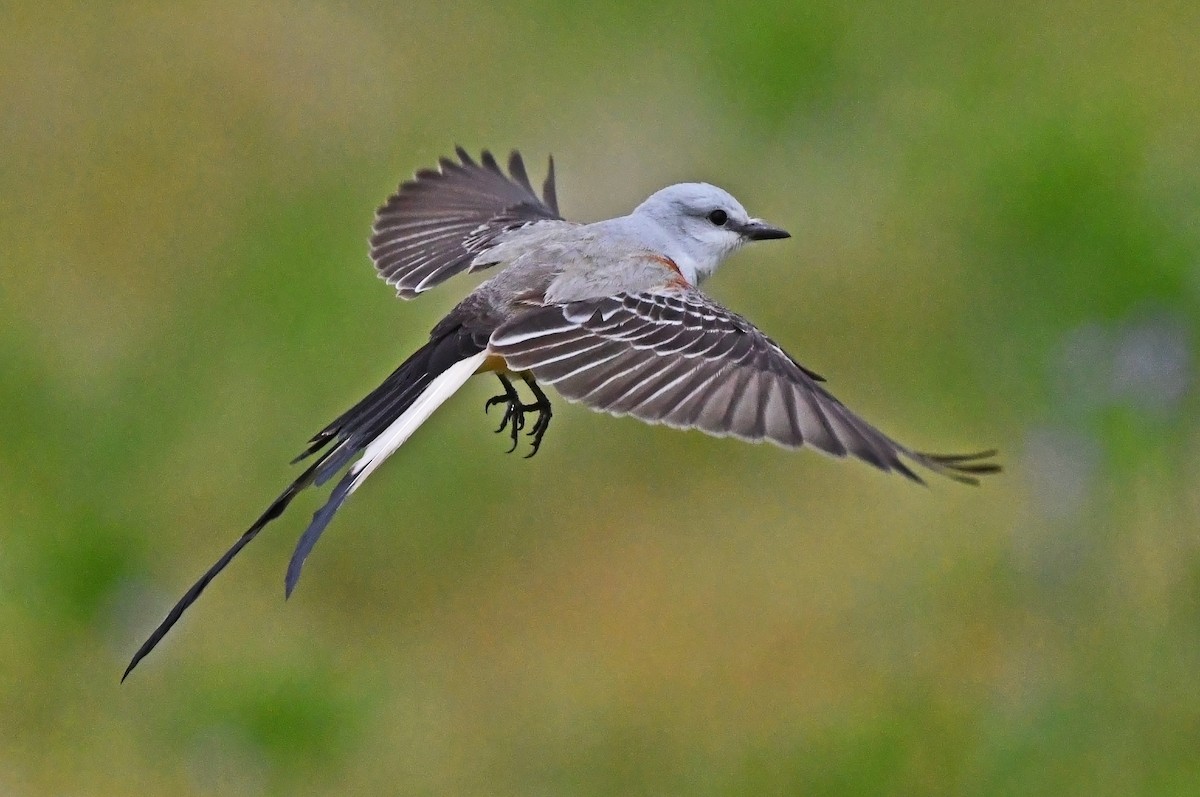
x=493 y=364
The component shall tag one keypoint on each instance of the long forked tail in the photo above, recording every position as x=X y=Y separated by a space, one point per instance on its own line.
x=442 y=387
x=375 y=427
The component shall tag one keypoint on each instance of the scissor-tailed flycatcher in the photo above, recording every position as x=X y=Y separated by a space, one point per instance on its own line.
x=609 y=313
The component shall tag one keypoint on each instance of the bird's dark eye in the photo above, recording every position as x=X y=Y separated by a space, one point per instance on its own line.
x=718 y=217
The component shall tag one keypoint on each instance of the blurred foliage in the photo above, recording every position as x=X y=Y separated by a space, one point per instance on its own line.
x=996 y=213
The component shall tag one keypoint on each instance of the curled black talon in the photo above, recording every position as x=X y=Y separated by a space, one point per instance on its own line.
x=508 y=418
x=515 y=411
x=518 y=421
x=493 y=401
x=545 y=413
x=511 y=399
x=539 y=431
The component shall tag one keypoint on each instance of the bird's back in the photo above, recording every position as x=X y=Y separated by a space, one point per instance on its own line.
x=563 y=262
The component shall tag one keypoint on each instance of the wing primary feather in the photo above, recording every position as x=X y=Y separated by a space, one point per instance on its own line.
x=436 y=224
x=682 y=360
x=549 y=192
x=516 y=168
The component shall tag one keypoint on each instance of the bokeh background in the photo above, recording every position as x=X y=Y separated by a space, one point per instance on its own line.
x=996 y=218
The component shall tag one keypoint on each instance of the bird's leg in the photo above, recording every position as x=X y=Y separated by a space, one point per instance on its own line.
x=544 y=410
x=514 y=410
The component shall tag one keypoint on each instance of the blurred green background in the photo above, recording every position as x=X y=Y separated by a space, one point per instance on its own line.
x=996 y=219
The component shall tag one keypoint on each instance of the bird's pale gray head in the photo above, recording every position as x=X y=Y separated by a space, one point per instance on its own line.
x=703 y=224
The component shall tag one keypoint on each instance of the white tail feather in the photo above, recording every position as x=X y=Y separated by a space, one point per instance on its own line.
x=441 y=388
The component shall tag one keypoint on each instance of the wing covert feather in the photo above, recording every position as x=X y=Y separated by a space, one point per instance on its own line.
x=681 y=359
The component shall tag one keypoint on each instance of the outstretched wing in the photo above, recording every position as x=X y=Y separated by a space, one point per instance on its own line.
x=437 y=222
x=680 y=359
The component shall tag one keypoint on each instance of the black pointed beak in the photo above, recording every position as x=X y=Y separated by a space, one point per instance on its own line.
x=759 y=230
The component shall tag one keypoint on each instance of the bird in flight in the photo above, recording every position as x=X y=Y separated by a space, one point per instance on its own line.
x=609 y=313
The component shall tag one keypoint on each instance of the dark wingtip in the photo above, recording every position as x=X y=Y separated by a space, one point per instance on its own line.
x=549 y=193
x=889 y=462
x=489 y=162
x=516 y=169
x=909 y=474
x=963 y=468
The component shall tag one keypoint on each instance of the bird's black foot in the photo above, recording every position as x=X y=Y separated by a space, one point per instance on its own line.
x=515 y=410
x=545 y=413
